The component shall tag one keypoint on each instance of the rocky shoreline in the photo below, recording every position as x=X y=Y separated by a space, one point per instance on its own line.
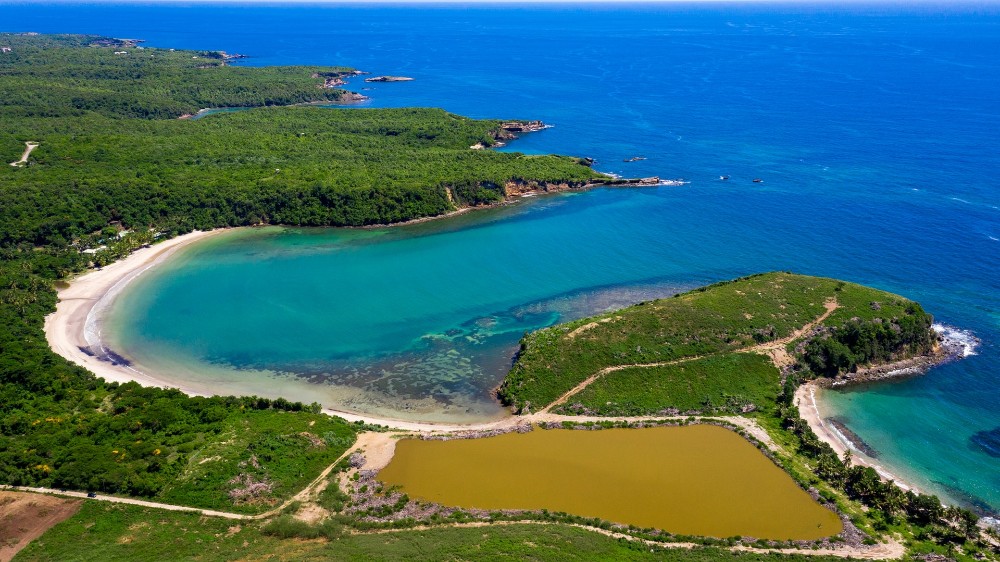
x=948 y=349
x=337 y=78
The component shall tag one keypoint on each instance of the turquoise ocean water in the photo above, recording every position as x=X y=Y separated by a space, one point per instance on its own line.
x=874 y=129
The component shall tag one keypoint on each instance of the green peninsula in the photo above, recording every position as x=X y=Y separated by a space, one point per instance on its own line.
x=710 y=350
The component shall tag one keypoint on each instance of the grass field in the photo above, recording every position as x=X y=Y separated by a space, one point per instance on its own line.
x=134 y=534
x=693 y=386
x=282 y=451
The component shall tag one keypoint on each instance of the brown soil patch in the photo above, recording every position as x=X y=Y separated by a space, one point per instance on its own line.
x=586 y=327
x=312 y=514
x=25 y=517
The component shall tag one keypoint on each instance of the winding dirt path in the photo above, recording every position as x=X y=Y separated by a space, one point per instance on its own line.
x=29 y=146
x=774 y=349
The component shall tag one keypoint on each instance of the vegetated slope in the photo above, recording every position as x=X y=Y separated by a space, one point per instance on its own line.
x=868 y=326
x=73 y=75
x=291 y=165
x=719 y=383
x=110 y=159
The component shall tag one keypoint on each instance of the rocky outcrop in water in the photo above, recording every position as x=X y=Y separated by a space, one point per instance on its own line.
x=336 y=79
x=854 y=438
x=388 y=79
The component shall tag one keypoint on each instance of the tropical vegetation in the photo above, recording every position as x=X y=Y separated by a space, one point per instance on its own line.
x=115 y=170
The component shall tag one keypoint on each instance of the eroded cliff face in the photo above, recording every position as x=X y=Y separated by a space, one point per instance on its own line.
x=516 y=188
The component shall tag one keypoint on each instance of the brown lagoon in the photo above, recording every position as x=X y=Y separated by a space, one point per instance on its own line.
x=692 y=480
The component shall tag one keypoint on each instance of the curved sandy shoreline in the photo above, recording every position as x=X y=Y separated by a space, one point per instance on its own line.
x=805 y=401
x=65 y=329
x=65 y=332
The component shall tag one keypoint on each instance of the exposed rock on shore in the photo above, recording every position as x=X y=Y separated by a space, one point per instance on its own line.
x=337 y=78
x=947 y=349
x=520 y=188
x=111 y=42
x=523 y=126
x=854 y=438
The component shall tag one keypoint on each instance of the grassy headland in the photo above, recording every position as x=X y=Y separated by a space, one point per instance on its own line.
x=742 y=347
x=712 y=322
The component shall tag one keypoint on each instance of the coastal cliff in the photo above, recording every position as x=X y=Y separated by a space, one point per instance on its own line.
x=520 y=188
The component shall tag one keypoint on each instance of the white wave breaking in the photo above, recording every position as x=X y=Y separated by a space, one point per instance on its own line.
x=956 y=338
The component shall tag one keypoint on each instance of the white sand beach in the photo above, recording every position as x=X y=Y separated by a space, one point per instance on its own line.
x=805 y=401
x=65 y=328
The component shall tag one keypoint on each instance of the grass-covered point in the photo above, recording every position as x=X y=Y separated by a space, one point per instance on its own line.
x=751 y=381
x=868 y=325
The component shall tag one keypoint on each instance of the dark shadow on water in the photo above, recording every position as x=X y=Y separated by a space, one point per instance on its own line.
x=987 y=441
x=976 y=504
x=840 y=423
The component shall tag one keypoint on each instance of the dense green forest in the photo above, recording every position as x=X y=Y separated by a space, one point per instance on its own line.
x=112 y=156
x=291 y=165
x=74 y=75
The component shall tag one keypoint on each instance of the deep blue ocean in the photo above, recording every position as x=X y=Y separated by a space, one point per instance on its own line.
x=875 y=129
